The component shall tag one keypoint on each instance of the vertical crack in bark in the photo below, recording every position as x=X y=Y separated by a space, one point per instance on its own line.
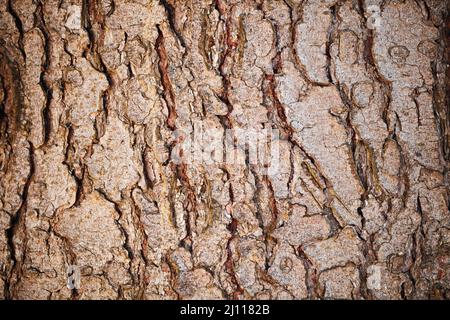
x=79 y=180
x=190 y=205
x=15 y=222
x=311 y=274
x=230 y=46
x=43 y=78
x=93 y=22
x=69 y=255
x=143 y=279
x=170 y=11
x=229 y=264
x=123 y=231
x=168 y=93
x=330 y=41
x=441 y=87
x=386 y=85
x=13 y=96
x=19 y=27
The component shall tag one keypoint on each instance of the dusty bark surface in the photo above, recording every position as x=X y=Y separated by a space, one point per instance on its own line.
x=92 y=93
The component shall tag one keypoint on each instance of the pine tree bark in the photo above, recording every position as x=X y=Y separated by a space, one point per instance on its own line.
x=94 y=93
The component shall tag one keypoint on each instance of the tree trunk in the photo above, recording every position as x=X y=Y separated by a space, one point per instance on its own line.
x=224 y=149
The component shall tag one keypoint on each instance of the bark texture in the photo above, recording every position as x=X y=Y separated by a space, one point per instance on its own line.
x=91 y=93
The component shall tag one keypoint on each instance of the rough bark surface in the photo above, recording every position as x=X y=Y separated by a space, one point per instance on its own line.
x=91 y=93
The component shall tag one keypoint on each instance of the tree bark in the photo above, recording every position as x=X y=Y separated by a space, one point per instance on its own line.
x=98 y=102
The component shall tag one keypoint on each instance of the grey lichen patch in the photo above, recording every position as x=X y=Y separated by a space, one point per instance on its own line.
x=95 y=239
x=112 y=160
x=337 y=251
